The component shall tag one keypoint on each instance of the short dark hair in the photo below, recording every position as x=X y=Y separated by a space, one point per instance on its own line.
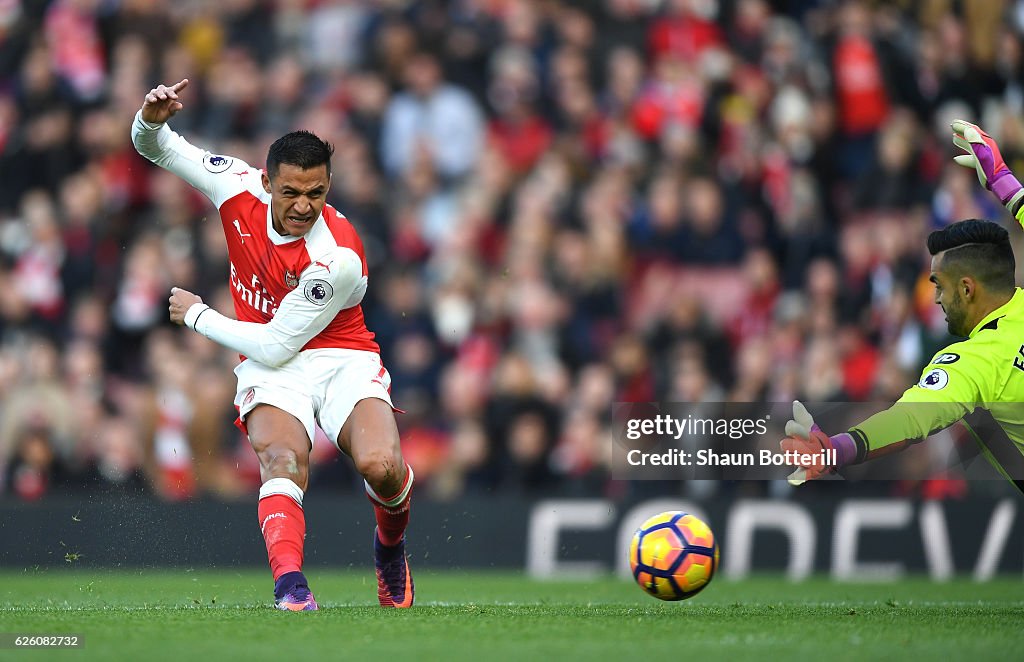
x=299 y=148
x=978 y=248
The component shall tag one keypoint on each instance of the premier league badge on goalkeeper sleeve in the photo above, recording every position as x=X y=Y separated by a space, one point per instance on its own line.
x=936 y=379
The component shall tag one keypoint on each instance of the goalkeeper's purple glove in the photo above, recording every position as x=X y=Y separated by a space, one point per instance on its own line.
x=803 y=436
x=983 y=155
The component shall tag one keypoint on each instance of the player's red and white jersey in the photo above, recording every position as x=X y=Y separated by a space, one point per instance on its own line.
x=266 y=266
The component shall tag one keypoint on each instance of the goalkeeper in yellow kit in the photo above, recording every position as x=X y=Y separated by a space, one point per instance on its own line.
x=980 y=380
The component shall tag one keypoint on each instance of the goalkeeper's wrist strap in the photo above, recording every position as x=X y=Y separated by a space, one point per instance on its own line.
x=1006 y=187
x=1016 y=202
x=861 y=444
x=193 y=313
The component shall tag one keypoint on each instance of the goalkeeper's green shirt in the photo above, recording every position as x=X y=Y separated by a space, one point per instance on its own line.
x=980 y=380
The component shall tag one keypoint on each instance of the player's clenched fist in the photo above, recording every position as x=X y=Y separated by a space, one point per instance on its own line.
x=179 y=302
x=806 y=444
x=983 y=155
x=162 y=102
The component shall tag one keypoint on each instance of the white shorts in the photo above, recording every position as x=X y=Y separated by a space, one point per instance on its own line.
x=318 y=386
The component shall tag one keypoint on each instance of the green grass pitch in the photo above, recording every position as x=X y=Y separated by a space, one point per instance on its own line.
x=226 y=615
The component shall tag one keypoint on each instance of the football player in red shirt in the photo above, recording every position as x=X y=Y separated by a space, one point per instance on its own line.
x=298 y=274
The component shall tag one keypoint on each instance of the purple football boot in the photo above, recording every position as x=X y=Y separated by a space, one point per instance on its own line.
x=291 y=593
x=394 y=581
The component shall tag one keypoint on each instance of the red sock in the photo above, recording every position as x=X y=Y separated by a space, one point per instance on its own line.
x=283 y=525
x=392 y=512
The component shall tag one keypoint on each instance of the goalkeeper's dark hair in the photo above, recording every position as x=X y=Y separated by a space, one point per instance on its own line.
x=980 y=249
x=299 y=148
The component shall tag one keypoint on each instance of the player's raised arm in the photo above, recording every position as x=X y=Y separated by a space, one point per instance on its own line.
x=330 y=285
x=982 y=154
x=211 y=174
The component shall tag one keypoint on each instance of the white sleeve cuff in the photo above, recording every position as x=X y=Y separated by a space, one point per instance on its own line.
x=193 y=313
x=146 y=125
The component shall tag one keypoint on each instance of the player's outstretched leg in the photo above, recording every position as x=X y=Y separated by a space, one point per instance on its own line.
x=370 y=437
x=283 y=524
x=394 y=580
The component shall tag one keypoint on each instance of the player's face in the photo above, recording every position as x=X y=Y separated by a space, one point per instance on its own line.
x=948 y=296
x=297 y=197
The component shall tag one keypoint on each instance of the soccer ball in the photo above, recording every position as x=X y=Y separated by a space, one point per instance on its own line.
x=673 y=555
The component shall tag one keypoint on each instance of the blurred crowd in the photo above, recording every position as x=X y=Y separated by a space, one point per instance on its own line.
x=565 y=204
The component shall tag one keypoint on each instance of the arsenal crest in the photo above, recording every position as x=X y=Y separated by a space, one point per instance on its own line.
x=290 y=279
